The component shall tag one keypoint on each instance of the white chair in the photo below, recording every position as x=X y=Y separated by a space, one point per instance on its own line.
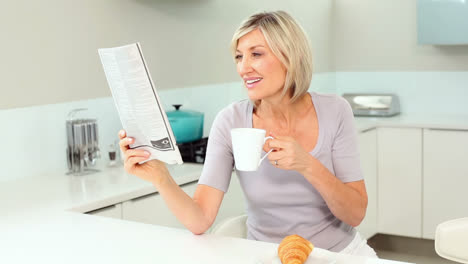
x=232 y=227
x=451 y=240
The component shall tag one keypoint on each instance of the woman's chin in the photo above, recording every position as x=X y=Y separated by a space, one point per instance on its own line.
x=254 y=95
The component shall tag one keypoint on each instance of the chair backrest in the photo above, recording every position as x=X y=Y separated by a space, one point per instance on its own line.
x=232 y=227
x=451 y=240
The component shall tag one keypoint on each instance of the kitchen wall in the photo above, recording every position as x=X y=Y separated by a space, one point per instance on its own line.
x=50 y=65
x=376 y=50
x=379 y=35
x=421 y=93
x=49 y=48
x=33 y=138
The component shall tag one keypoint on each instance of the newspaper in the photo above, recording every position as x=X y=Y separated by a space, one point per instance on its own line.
x=138 y=103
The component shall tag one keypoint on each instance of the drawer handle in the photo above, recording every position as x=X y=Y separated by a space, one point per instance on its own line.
x=144 y=196
x=102 y=209
x=157 y=193
x=367 y=130
x=448 y=129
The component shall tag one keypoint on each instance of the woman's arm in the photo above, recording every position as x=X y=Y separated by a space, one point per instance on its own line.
x=347 y=201
x=196 y=214
x=343 y=190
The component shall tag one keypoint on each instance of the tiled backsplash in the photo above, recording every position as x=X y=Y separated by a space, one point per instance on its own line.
x=33 y=138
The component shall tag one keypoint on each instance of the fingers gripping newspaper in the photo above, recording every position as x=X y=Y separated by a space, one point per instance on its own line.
x=138 y=104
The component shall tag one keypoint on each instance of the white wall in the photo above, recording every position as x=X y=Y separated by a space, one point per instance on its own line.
x=48 y=48
x=376 y=51
x=363 y=40
x=381 y=35
x=423 y=93
x=34 y=139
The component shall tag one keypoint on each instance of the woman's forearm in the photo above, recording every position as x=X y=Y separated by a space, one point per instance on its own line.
x=345 y=202
x=186 y=210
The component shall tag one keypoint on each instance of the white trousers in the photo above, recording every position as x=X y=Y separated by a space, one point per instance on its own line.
x=359 y=247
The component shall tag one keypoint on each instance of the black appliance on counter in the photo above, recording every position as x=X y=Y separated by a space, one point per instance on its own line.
x=194 y=151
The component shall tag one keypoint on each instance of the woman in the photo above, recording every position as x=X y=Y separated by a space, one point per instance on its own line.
x=313 y=185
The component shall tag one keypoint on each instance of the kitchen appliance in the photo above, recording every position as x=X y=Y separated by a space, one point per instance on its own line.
x=82 y=144
x=379 y=105
x=194 y=151
x=187 y=125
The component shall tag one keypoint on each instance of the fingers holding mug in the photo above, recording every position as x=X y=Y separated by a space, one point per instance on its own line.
x=275 y=158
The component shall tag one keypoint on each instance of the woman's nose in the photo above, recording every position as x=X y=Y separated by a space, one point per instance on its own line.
x=244 y=66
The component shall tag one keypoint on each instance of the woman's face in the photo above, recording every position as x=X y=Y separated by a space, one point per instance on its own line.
x=263 y=74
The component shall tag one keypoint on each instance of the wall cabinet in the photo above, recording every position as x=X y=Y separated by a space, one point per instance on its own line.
x=445 y=178
x=113 y=211
x=399 y=163
x=368 y=155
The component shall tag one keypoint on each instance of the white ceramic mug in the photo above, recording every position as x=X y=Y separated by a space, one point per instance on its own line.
x=247 y=145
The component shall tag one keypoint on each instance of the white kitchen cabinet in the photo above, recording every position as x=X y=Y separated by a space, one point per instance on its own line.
x=368 y=156
x=151 y=209
x=445 y=177
x=113 y=211
x=399 y=209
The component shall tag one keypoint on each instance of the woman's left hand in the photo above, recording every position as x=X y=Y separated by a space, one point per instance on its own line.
x=288 y=154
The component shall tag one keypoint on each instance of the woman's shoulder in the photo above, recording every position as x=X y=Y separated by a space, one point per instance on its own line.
x=238 y=107
x=333 y=103
x=235 y=114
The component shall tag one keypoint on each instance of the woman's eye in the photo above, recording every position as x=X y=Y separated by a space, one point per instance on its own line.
x=238 y=57
x=256 y=54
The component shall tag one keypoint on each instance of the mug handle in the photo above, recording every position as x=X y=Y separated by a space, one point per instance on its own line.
x=267 y=138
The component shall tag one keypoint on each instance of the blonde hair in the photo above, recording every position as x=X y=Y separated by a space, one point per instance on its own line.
x=288 y=42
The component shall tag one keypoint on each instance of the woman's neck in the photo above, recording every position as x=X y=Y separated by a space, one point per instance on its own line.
x=282 y=112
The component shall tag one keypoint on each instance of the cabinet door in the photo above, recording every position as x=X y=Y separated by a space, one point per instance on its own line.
x=233 y=202
x=151 y=209
x=445 y=178
x=368 y=152
x=400 y=181
x=113 y=211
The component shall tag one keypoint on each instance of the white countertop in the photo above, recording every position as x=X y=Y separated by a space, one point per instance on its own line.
x=41 y=221
x=58 y=191
x=449 y=122
x=41 y=218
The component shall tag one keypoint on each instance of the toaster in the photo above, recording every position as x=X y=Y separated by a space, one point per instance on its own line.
x=379 y=105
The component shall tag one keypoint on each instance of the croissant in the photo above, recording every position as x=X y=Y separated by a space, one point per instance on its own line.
x=294 y=249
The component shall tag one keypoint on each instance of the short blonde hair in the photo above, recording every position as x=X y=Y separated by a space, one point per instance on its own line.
x=289 y=44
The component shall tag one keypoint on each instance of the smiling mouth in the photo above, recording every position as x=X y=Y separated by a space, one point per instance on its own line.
x=253 y=81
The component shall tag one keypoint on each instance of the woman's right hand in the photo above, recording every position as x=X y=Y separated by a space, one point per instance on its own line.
x=153 y=171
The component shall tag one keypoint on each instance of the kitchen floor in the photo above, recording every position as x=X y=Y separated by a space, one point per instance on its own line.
x=420 y=251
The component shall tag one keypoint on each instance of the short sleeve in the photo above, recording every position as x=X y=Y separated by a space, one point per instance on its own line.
x=345 y=152
x=219 y=160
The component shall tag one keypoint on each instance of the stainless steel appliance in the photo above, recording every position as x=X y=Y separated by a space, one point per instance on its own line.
x=82 y=144
x=380 y=105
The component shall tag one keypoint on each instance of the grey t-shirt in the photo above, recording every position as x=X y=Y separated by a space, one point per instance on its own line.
x=282 y=202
